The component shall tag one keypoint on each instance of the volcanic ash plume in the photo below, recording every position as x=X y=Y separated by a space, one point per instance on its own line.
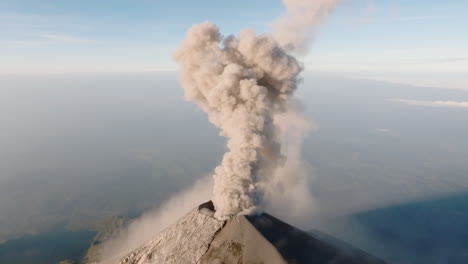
x=295 y=29
x=242 y=82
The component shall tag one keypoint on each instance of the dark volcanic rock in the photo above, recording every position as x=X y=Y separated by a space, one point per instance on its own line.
x=297 y=246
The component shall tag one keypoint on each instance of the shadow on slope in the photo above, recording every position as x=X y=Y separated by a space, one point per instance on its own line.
x=297 y=246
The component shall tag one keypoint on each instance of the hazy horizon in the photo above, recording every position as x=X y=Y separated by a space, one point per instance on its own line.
x=94 y=137
x=341 y=118
x=418 y=43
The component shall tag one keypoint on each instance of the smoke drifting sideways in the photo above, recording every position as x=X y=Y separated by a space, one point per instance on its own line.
x=147 y=226
x=295 y=30
x=243 y=82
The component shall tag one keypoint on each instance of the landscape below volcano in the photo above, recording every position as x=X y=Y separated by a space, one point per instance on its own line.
x=414 y=173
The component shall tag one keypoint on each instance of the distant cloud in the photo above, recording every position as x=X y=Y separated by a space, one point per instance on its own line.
x=65 y=38
x=412 y=18
x=369 y=14
x=448 y=104
x=371 y=11
x=20 y=43
x=449 y=60
x=46 y=39
x=426 y=79
x=382 y=130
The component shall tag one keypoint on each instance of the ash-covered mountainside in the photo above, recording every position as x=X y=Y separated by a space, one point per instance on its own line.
x=198 y=237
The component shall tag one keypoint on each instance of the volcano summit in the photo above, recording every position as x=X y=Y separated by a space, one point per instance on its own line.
x=198 y=237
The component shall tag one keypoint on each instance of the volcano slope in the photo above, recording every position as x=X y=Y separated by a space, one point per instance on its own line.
x=200 y=238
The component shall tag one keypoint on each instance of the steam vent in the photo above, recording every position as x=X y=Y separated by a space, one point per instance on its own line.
x=199 y=238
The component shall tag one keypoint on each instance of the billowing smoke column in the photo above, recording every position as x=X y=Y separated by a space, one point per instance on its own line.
x=242 y=83
x=294 y=31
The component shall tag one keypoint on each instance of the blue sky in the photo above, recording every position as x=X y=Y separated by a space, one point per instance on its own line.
x=416 y=42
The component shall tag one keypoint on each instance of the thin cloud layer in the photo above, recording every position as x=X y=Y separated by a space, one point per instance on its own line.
x=447 y=104
x=64 y=38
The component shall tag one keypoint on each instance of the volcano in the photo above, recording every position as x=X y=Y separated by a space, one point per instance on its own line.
x=198 y=237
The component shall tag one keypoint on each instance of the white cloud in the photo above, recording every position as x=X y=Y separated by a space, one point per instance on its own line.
x=433 y=80
x=382 y=130
x=45 y=39
x=65 y=38
x=448 y=104
x=411 y=18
